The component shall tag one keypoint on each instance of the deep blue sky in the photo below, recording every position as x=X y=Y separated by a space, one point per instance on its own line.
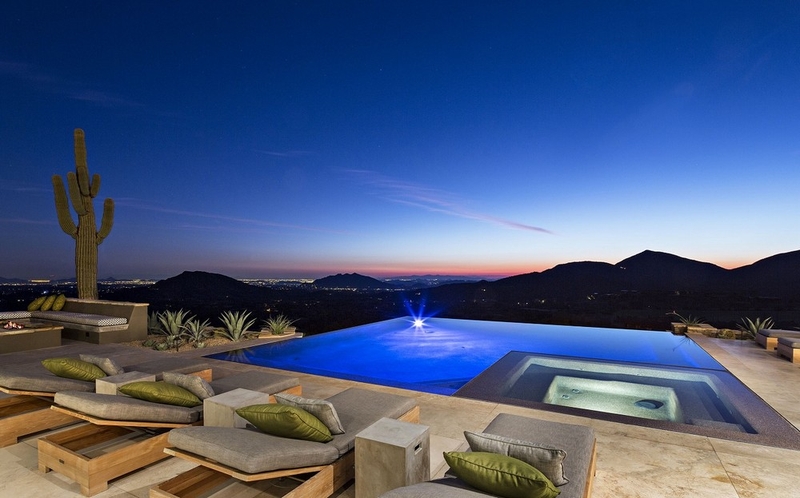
x=301 y=139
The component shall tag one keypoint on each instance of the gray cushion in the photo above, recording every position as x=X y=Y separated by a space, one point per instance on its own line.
x=191 y=383
x=779 y=333
x=79 y=318
x=253 y=452
x=255 y=380
x=792 y=342
x=576 y=440
x=169 y=364
x=320 y=408
x=34 y=377
x=448 y=487
x=107 y=365
x=548 y=460
x=123 y=408
x=360 y=408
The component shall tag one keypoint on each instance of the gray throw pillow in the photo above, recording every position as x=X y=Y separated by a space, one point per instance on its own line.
x=320 y=408
x=107 y=365
x=191 y=383
x=549 y=460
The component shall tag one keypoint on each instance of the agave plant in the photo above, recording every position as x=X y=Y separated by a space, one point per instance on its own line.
x=688 y=319
x=197 y=332
x=172 y=323
x=278 y=325
x=751 y=327
x=236 y=325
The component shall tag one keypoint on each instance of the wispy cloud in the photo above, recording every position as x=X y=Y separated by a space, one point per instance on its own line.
x=138 y=204
x=431 y=199
x=286 y=153
x=25 y=221
x=31 y=74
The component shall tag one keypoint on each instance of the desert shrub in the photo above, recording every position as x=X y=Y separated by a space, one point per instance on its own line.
x=236 y=325
x=278 y=325
x=750 y=328
x=196 y=332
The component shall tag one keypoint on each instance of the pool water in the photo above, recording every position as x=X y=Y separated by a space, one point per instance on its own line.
x=444 y=354
x=652 y=379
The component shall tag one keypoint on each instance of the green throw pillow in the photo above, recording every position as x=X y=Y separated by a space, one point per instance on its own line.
x=48 y=303
x=548 y=460
x=160 y=392
x=286 y=421
x=36 y=303
x=73 y=368
x=500 y=475
x=58 y=304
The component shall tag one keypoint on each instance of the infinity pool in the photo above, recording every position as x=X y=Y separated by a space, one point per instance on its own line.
x=653 y=379
x=442 y=355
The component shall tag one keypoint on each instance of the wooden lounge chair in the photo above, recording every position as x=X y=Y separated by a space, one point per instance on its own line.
x=577 y=441
x=31 y=388
x=789 y=348
x=249 y=455
x=125 y=434
x=768 y=338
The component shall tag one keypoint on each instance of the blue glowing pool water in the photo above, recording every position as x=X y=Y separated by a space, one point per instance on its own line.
x=444 y=354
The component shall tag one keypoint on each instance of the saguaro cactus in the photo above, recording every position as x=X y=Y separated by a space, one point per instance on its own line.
x=82 y=191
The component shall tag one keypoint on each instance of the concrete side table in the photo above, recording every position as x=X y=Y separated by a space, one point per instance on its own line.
x=391 y=454
x=220 y=410
x=112 y=383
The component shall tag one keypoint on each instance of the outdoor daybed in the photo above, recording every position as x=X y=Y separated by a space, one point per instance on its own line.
x=135 y=429
x=768 y=338
x=31 y=388
x=789 y=348
x=250 y=455
x=578 y=442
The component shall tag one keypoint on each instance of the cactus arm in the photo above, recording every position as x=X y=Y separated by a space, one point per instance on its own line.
x=95 y=186
x=81 y=167
x=62 y=208
x=107 y=221
x=75 y=194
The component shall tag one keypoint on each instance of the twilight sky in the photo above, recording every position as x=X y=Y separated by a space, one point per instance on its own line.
x=300 y=139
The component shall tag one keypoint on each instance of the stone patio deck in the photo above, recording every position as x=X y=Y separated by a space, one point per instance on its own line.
x=632 y=462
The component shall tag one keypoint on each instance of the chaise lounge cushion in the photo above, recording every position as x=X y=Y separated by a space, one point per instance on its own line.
x=35 y=378
x=123 y=408
x=253 y=452
x=255 y=380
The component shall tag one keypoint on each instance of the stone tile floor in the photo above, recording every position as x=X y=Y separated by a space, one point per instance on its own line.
x=632 y=462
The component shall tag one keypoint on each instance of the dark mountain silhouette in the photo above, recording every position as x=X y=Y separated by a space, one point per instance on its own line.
x=649 y=271
x=197 y=290
x=777 y=275
x=351 y=281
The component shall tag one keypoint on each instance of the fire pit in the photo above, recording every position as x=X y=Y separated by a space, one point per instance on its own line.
x=13 y=326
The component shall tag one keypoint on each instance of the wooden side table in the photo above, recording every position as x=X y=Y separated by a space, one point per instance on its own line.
x=220 y=410
x=390 y=454
x=112 y=383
